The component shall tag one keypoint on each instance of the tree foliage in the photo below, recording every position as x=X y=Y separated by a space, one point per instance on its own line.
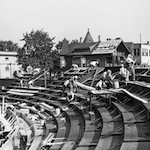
x=59 y=45
x=37 y=50
x=8 y=46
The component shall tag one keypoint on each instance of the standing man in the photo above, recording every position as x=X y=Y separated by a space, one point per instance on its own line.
x=68 y=84
x=129 y=65
x=109 y=79
x=94 y=64
x=123 y=73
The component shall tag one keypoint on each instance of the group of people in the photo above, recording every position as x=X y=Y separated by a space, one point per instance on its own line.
x=106 y=80
x=126 y=70
x=19 y=74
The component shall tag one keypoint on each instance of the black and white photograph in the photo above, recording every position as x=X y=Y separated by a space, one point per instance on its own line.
x=74 y=75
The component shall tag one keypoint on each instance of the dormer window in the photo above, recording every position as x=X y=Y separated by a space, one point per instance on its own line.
x=81 y=50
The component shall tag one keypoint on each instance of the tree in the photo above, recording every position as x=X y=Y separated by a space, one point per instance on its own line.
x=37 y=50
x=8 y=46
x=59 y=45
x=56 y=55
x=74 y=41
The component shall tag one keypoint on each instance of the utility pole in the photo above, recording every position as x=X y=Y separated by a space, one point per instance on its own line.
x=140 y=38
x=3 y=104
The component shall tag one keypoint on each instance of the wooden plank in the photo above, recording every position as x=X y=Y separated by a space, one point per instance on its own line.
x=134 y=96
x=106 y=117
x=18 y=93
x=74 y=131
x=129 y=146
x=82 y=148
x=60 y=136
x=87 y=139
x=144 y=145
x=143 y=132
x=37 y=139
x=58 y=141
x=84 y=86
x=68 y=145
x=128 y=117
x=131 y=133
x=38 y=88
x=107 y=128
x=24 y=91
x=101 y=92
x=104 y=143
x=73 y=134
x=89 y=127
x=89 y=131
x=130 y=94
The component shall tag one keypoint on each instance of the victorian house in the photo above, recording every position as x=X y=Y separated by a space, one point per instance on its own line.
x=108 y=53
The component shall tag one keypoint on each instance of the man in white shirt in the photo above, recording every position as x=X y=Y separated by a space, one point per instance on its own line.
x=75 y=67
x=94 y=63
x=129 y=65
x=124 y=73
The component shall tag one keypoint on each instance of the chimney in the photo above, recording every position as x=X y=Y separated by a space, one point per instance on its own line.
x=118 y=38
x=99 y=38
x=108 y=39
x=80 y=39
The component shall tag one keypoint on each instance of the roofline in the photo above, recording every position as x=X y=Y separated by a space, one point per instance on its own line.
x=2 y=53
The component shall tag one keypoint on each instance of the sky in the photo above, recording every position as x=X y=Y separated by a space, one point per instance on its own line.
x=71 y=19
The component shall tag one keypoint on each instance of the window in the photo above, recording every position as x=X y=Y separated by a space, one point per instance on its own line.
x=7 y=68
x=144 y=52
x=6 y=58
x=134 y=52
x=108 y=62
x=138 y=52
x=83 y=62
x=147 y=53
x=83 y=50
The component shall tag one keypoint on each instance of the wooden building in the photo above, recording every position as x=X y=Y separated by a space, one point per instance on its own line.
x=8 y=64
x=108 y=53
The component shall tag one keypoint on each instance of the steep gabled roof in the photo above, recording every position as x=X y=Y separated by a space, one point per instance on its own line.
x=88 y=38
x=65 y=47
x=87 y=46
x=129 y=45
